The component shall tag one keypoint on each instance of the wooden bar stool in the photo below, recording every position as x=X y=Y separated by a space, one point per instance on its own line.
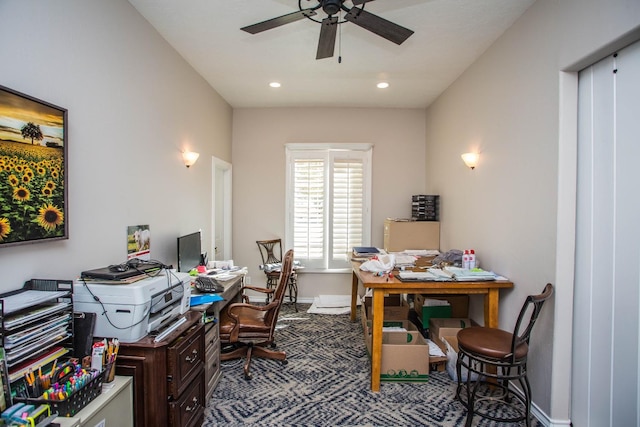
x=493 y=358
x=271 y=253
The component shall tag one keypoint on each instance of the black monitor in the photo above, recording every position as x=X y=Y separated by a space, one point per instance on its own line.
x=189 y=251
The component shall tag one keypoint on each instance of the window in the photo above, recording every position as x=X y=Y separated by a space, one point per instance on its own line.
x=328 y=202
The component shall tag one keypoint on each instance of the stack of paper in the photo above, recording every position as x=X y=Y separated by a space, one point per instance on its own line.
x=431 y=302
x=468 y=275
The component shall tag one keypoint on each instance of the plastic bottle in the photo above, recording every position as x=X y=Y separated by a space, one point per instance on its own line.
x=472 y=259
x=465 y=259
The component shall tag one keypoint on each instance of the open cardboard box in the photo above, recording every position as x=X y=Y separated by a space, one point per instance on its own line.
x=441 y=327
x=458 y=307
x=405 y=354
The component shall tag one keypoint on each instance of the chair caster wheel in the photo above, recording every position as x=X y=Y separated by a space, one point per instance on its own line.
x=284 y=362
x=247 y=377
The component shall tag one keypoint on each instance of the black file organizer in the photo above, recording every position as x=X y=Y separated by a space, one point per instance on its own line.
x=27 y=334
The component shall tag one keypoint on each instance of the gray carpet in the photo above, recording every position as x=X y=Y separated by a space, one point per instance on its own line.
x=326 y=383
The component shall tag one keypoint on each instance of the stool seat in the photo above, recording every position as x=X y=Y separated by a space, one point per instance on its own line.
x=490 y=342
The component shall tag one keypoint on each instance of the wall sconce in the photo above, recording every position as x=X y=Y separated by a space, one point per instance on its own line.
x=189 y=157
x=470 y=159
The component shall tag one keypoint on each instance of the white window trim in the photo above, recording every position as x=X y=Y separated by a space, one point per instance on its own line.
x=313 y=149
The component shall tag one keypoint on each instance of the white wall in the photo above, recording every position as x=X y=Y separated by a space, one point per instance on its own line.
x=259 y=136
x=134 y=104
x=507 y=106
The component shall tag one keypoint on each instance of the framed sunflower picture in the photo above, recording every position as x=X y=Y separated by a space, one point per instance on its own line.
x=33 y=170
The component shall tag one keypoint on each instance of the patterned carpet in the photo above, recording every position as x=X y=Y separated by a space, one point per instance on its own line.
x=326 y=383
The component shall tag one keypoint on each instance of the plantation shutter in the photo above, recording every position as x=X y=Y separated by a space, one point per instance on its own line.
x=328 y=197
x=309 y=209
x=348 y=197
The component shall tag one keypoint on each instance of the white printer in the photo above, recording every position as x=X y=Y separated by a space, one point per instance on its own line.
x=130 y=312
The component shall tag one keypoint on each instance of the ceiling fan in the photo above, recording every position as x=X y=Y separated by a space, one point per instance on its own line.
x=357 y=15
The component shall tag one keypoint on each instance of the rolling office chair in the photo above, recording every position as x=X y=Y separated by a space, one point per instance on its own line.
x=271 y=253
x=498 y=357
x=246 y=330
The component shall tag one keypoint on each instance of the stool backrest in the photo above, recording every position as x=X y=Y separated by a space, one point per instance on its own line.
x=533 y=305
x=270 y=250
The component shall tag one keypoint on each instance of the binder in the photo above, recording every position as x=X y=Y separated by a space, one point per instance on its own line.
x=83 y=326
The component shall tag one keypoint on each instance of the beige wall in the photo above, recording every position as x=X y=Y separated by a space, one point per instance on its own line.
x=507 y=106
x=134 y=104
x=259 y=136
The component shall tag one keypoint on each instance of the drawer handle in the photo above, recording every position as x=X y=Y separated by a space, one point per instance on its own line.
x=193 y=359
x=194 y=407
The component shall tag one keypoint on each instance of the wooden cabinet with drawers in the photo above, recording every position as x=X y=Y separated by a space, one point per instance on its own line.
x=212 y=363
x=168 y=381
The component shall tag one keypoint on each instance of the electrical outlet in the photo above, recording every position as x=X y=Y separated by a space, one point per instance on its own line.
x=247 y=280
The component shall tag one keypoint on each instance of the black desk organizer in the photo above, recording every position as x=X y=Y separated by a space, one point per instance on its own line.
x=71 y=405
x=35 y=334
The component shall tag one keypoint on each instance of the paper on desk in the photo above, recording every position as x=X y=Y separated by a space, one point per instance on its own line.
x=403 y=259
x=422 y=252
x=466 y=274
x=29 y=298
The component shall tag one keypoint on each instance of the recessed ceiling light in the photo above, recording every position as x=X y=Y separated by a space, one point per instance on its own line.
x=274 y=84
x=382 y=85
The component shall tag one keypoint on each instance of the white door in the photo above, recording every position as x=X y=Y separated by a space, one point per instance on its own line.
x=605 y=385
x=221 y=221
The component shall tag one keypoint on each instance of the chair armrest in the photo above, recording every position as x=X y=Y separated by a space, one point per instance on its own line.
x=254 y=288
x=231 y=308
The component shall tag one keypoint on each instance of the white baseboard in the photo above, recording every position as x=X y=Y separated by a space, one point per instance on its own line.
x=544 y=418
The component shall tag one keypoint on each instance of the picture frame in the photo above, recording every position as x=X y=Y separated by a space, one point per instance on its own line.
x=33 y=170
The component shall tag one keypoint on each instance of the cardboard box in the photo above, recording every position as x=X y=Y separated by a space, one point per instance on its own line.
x=405 y=355
x=401 y=235
x=390 y=300
x=395 y=307
x=439 y=328
x=453 y=342
x=458 y=307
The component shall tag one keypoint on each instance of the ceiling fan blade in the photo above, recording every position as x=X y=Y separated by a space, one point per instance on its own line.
x=357 y=2
x=327 y=41
x=380 y=26
x=280 y=20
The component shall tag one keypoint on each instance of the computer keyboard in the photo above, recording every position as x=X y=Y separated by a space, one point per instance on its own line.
x=208 y=284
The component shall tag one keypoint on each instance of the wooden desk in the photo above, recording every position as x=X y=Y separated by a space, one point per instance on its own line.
x=212 y=371
x=381 y=286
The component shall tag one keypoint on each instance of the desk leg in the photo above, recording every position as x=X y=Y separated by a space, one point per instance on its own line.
x=491 y=301
x=376 y=339
x=354 y=295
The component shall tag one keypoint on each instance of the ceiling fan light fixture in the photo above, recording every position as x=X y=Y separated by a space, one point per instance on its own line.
x=382 y=85
x=354 y=14
x=331 y=7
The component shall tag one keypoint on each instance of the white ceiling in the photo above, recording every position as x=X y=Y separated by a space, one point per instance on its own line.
x=449 y=36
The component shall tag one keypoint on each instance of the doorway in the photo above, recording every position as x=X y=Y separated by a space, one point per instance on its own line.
x=606 y=324
x=221 y=221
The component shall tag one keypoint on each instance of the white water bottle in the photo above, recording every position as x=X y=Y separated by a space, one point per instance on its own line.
x=465 y=259
x=472 y=259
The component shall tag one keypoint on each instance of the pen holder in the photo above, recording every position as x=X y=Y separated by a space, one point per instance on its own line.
x=109 y=372
x=73 y=403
